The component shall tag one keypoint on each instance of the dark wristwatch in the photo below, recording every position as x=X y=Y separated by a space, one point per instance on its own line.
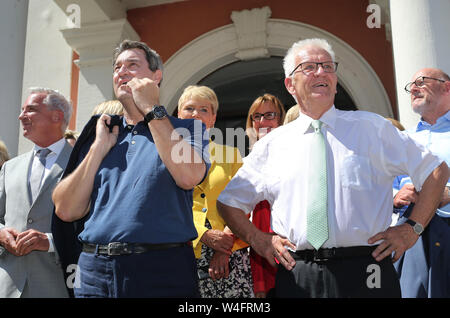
x=417 y=227
x=157 y=112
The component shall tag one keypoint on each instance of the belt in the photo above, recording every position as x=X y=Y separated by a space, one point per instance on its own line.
x=324 y=254
x=118 y=248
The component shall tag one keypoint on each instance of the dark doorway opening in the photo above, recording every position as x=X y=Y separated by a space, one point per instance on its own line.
x=238 y=84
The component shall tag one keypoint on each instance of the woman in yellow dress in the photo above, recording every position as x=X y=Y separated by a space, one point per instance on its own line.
x=222 y=259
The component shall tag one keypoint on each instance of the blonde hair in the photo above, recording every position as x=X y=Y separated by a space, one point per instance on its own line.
x=111 y=107
x=203 y=92
x=71 y=134
x=4 y=156
x=292 y=114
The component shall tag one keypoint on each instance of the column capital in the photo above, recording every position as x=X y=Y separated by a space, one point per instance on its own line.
x=95 y=42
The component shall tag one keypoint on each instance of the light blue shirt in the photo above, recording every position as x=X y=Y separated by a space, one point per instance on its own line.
x=437 y=139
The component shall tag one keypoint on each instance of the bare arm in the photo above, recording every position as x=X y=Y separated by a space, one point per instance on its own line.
x=405 y=196
x=265 y=244
x=72 y=195
x=218 y=240
x=445 y=197
x=402 y=237
x=186 y=173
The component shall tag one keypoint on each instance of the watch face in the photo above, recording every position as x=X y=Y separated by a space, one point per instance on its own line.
x=159 y=112
x=418 y=228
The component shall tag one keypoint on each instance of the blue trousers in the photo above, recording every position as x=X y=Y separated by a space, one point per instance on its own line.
x=424 y=269
x=160 y=273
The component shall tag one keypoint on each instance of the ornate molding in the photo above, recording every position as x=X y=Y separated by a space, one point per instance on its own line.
x=251 y=30
x=95 y=42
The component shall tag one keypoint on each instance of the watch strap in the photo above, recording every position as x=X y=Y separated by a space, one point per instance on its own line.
x=155 y=113
x=149 y=116
x=417 y=227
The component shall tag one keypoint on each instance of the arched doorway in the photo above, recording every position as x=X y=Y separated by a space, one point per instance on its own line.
x=238 y=84
x=211 y=60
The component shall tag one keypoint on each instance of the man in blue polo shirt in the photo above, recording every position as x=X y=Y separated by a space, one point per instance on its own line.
x=133 y=186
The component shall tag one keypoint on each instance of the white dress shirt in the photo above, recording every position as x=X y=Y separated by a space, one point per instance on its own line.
x=364 y=154
x=55 y=149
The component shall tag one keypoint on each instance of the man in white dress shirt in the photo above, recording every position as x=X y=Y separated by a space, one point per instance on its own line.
x=363 y=154
x=28 y=263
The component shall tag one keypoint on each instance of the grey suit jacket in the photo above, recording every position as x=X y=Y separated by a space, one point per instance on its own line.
x=40 y=271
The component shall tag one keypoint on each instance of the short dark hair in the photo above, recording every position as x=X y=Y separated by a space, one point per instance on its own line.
x=153 y=58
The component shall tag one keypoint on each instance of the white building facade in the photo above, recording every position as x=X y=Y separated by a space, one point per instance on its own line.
x=40 y=38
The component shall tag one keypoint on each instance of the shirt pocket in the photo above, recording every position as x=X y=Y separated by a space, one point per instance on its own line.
x=356 y=172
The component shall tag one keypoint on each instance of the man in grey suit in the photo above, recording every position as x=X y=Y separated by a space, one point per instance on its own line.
x=28 y=264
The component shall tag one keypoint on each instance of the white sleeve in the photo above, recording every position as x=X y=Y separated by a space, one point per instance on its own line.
x=51 y=247
x=402 y=155
x=248 y=186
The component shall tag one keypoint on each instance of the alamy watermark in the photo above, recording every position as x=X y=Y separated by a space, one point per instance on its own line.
x=374 y=19
x=74 y=17
x=182 y=151
x=73 y=280
x=374 y=278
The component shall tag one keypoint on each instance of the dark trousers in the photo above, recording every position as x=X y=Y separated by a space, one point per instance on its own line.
x=356 y=277
x=161 y=273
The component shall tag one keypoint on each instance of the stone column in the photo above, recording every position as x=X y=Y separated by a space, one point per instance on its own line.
x=420 y=38
x=13 y=27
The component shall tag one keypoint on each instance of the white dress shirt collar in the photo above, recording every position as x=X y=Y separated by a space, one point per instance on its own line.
x=328 y=119
x=55 y=148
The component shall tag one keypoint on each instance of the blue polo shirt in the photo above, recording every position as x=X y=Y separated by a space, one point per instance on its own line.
x=134 y=198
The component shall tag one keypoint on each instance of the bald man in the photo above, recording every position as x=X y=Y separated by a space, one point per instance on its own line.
x=430 y=97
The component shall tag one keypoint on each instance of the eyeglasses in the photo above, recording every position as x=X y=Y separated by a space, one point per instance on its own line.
x=419 y=82
x=267 y=116
x=308 y=68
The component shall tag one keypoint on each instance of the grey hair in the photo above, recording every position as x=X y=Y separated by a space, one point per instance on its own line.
x=289 y=59
x=55 y=101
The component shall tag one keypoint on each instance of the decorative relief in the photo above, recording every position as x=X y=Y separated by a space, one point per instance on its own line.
x=251 y=29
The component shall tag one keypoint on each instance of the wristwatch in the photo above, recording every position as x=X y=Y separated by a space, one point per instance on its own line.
x=417 y=227
x=157 y=112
